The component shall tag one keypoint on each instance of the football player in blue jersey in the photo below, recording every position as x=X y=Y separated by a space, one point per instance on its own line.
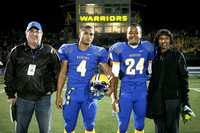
x=131 y=58
x=80 y=60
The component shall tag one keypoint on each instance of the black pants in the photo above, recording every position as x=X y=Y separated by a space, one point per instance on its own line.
x=170 y=122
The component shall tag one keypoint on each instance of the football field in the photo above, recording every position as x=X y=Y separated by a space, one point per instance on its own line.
x=104 y=122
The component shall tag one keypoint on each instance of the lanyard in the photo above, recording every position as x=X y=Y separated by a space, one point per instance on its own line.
x=34 y=54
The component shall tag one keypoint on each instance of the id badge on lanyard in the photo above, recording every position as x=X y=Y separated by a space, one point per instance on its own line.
x=31 y=69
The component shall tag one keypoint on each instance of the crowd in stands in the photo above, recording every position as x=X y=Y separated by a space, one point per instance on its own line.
x=185 y=41
x=11 y=38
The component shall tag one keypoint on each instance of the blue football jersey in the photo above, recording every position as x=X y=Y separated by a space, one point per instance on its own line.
x=81 y=64
x=133 y=61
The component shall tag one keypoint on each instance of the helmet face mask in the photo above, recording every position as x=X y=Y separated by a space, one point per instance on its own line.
x=98 y=91
x=97 y=86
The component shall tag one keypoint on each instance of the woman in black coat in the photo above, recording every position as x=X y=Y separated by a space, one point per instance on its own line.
x=168 y=88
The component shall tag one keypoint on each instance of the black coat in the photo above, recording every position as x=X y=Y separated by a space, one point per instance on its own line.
x=175 y=80
x=17 y=80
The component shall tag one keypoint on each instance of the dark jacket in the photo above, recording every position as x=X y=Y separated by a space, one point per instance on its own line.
x=175 y=81
x=17 y=80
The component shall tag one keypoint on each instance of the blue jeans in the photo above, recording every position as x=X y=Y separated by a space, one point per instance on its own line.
x=43 y=112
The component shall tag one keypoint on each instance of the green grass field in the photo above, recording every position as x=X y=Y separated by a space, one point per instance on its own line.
x=103 y=123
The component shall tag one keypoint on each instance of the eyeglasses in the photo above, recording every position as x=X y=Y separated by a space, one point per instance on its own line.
x=34 y=32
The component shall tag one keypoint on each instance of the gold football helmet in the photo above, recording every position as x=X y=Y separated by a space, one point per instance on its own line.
x=98 y=83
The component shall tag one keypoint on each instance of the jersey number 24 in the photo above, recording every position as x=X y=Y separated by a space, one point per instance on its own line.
x=130 y=62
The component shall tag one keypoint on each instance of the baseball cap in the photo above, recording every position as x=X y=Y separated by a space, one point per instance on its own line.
x=34 y=24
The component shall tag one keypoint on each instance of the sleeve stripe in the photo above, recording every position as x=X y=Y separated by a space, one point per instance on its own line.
x=117 y=63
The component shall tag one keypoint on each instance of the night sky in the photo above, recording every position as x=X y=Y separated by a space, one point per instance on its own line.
x=172 y=13
x=157 y=14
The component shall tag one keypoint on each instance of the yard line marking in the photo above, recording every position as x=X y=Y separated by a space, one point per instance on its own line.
x=195 y=89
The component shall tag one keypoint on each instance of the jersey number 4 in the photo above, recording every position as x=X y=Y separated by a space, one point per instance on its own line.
x=82 y=68
x=131 y=62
